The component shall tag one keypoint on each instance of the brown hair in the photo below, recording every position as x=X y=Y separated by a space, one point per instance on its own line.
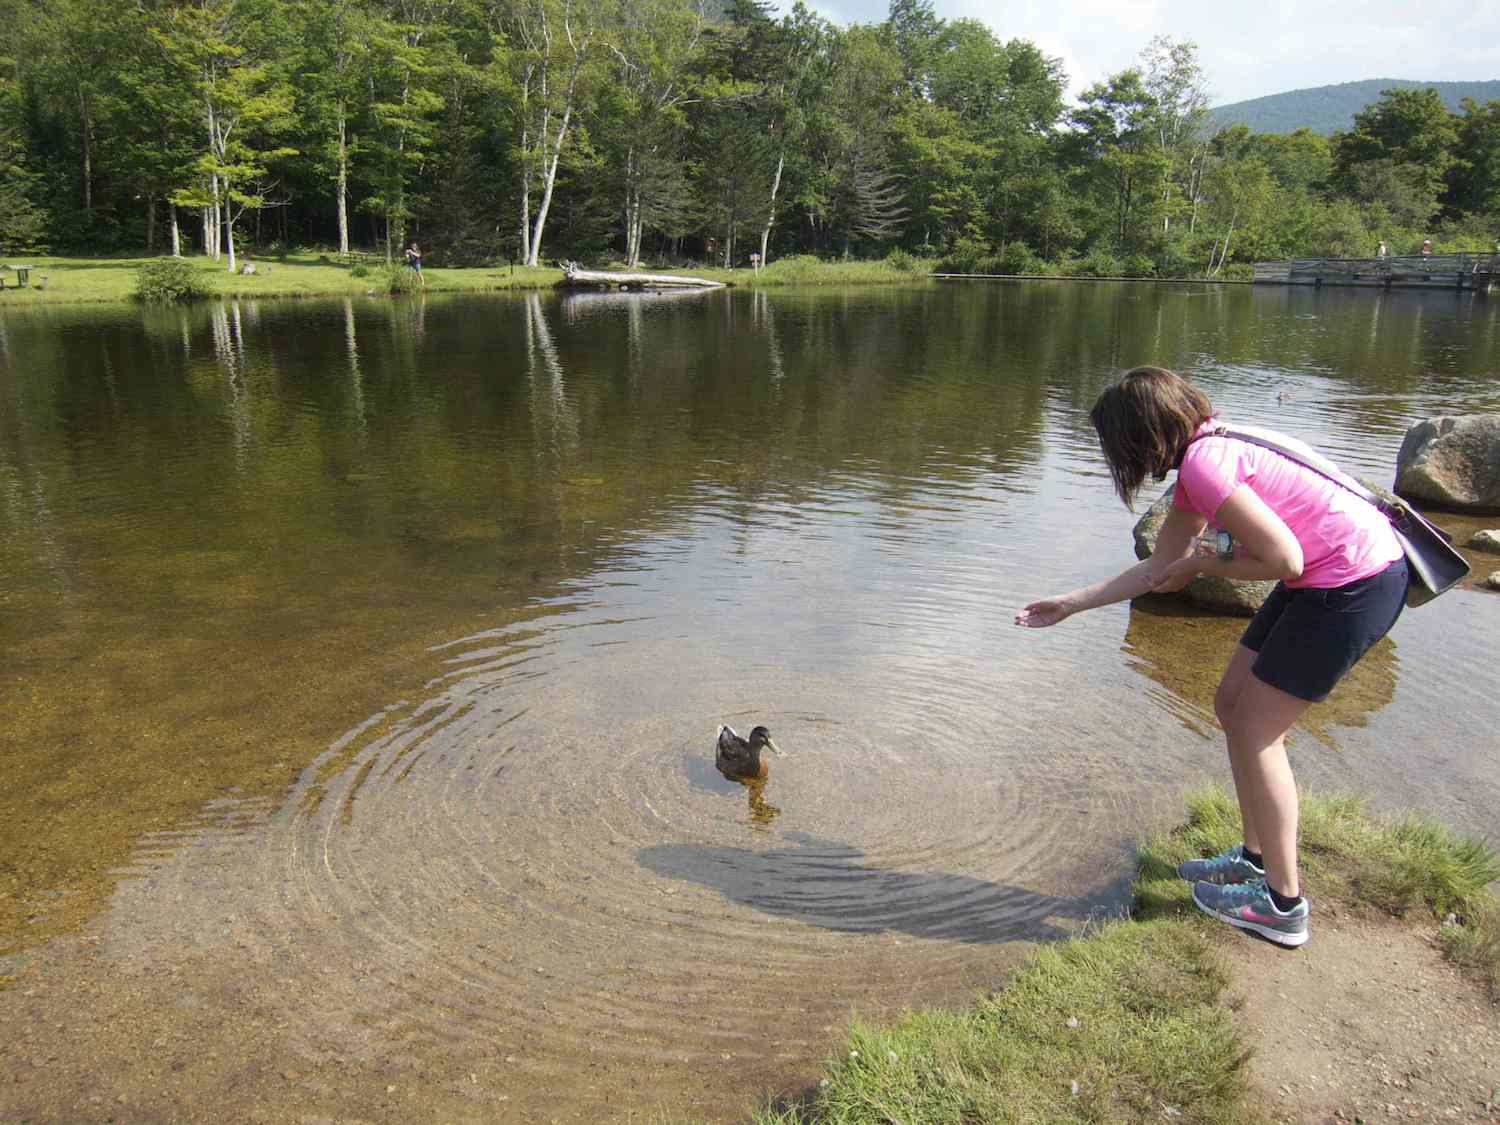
x=1145 y=422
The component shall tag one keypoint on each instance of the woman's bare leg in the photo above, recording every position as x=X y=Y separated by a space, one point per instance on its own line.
x=1256 y=730
x=1225 y=700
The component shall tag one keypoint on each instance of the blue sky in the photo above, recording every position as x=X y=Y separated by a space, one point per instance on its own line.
x=1247 y=47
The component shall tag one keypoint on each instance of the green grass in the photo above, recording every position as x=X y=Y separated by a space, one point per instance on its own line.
x=57 y=280
x=807 y=270
x=1135 y=1015
x=72 y=280
x=1138 y=1013
x=1403 y=865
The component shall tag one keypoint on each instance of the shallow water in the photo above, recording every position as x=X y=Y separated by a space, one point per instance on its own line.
x=361 y=663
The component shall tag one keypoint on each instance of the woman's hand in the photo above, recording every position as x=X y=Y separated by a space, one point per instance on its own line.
x=1048 y=611
x=1176 y=575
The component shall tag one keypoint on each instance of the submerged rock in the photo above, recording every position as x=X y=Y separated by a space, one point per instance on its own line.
x=1486 y=541
x=1222 y=595
x=1452 y=462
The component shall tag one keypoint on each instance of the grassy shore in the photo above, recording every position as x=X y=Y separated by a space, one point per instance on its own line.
x=307 y=274
x=1134 y=1021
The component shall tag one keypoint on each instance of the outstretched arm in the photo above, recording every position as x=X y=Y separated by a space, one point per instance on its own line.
x=1172 y=543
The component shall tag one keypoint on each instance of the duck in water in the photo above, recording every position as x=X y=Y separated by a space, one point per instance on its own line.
x=739 y=758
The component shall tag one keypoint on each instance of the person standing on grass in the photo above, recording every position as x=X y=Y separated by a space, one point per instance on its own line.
x=414 y=260
x=1341 y=584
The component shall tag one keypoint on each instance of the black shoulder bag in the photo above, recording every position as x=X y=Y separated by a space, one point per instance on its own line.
x=1433 y=566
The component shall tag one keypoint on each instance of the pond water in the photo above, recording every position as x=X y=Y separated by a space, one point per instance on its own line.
x=361 y=661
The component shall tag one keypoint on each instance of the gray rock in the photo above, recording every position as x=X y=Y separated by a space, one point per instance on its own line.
x=1493 y=581
x=1486 y=541
x=1452 y=463
x=1222 y=595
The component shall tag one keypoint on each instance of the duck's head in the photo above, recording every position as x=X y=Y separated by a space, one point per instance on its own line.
x=759 y=737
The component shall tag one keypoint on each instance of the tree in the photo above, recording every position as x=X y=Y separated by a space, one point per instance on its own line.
x=407 y=42
x=554 y=44
x=867 y=169
x=1179 y=110
x=655 y=45
x=1007 y=98
x=1474 y=178
x=794 y=66
x=1404 y=127
x=912 y=29
x=332 y=72
x=1119 y=157
x=223 y=49
x=1238 y=190
x=22 y=222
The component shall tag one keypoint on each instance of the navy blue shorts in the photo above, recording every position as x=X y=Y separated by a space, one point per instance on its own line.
x=1305 y=640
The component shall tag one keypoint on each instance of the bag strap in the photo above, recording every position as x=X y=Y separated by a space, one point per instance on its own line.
x=1312 y=459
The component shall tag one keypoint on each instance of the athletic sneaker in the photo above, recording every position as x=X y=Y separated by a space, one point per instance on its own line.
x=1249 y=906
x=1224 y=868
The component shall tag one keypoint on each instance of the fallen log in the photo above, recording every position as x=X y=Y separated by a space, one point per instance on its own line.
x=575 y=277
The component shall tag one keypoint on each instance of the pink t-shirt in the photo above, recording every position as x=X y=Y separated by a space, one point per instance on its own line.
x=1343 y=538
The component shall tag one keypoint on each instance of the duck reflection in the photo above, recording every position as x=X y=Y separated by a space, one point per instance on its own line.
x=1184 y=651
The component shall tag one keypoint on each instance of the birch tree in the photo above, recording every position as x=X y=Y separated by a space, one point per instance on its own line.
x=224 y=52
x=553 y=44
x=1179 y=95
x=334 y=69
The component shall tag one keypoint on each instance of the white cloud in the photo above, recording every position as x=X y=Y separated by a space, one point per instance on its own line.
x=1246 y=49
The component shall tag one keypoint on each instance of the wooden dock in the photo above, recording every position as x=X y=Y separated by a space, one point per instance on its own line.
x=1453 y=272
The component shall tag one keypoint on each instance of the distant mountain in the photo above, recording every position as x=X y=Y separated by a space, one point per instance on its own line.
x=1324 y=109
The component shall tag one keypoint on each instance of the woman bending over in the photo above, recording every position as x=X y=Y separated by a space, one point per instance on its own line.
x=1341 y=584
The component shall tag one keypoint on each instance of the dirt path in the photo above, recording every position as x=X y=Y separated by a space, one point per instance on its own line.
x=1367 y=1022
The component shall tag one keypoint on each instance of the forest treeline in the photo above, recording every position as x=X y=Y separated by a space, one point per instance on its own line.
x=681 y=130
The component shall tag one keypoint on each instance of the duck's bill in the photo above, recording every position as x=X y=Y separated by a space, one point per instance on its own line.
x=777 y=750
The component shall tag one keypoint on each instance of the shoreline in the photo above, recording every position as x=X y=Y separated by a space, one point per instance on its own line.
x=58 y=280
x=1164 y=1013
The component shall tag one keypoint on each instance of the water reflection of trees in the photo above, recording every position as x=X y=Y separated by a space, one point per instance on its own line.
x=1183 y=652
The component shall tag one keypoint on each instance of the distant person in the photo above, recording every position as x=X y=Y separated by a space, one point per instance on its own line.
x=1380 y=253
x=414 y=260
x=1426 y=247
x=755 y=261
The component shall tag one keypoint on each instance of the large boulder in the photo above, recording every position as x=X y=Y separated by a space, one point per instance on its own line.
x=1452 y=463
x=1222 y=595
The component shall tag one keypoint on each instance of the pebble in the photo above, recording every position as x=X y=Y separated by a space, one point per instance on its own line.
x=1072 y=1021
